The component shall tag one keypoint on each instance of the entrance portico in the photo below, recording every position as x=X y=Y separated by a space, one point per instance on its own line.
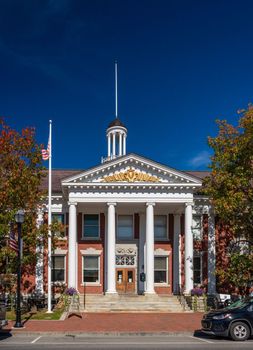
x=133 y=191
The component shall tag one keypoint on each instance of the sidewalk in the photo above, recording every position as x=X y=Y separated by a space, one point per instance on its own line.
x=115 y=323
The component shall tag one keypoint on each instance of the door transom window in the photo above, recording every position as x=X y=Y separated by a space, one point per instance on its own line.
x=125 y=260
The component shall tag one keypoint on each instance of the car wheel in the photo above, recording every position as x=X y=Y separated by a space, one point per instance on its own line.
x=239 y=331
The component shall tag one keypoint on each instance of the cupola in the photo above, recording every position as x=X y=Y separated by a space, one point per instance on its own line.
x=116 y=132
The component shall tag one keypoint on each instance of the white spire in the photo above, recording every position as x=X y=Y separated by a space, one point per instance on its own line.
x=116 y=90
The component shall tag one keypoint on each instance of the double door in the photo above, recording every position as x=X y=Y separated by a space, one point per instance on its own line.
x=125 y=280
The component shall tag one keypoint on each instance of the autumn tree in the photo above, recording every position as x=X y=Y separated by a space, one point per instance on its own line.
x=21 y=172
x=230 y=188
x=230 y=184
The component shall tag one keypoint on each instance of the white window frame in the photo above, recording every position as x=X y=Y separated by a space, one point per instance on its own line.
x=98 y=283
x=117 y=235
x=90 y=238
x=64 y=259
x=157 y=239
x=198 y=254
x=167 y=271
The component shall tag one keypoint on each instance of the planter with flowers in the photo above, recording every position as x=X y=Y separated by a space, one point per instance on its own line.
x=70 y=297
x=197 y=299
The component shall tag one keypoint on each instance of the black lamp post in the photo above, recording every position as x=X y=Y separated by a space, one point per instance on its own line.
x=19 y=218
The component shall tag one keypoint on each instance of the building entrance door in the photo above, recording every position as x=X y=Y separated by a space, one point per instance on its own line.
x=125 y=280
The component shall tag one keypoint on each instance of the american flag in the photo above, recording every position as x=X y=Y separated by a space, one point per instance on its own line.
x=12 y=240
x=46 y=152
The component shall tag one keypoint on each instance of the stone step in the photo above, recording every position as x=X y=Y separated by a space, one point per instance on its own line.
x=130 y=303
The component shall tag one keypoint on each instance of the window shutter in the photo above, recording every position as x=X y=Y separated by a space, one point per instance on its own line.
x=79 y=226
x=102 y=226
x=182 y=225
x=171 y=228
x=136 y=226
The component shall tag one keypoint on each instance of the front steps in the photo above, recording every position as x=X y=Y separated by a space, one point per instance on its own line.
x=130 y=303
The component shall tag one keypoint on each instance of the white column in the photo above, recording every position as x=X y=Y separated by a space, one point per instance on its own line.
x=72 y=246
x=39 y=261
x=176 y=254
x=188 y=248
x=150 y=248
x=211 y=254
x=120 y=144
x=113 y=145
x=111 y=284
x=109 y=145
x=124 y=144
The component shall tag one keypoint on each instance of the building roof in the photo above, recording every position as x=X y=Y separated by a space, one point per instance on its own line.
x=57 y=176
x=116 y=122
x=200 y=174
x=60 y=174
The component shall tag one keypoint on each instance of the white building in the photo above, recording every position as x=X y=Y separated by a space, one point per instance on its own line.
x=134 y=226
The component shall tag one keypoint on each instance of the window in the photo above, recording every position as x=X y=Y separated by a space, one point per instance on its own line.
x=160 y=226
x=125 y=260
x=91 y=226
x=58 y=268
x=196 y=227
x=161 y=271
x=125 y=227
x=197 y=269
x=91 y=269
x=58 y=218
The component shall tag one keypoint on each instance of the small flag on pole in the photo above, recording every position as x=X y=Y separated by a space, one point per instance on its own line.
x=12 y=240
x=46 y=152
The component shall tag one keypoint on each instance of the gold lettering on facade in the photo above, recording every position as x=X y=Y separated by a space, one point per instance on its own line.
x=131 y=176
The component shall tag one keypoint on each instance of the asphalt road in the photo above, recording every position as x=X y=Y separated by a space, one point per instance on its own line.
x=71 y=341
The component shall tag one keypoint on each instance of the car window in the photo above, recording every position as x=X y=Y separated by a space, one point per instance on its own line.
x=237 y=304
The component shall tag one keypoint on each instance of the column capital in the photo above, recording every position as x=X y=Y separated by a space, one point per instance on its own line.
x=187 y=204
x=112 y=203
x=176 y=215
x=150 y=203
x=72 y=203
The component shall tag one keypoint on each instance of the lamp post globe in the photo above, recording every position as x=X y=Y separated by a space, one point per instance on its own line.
x=20 y=216
x=19 y=219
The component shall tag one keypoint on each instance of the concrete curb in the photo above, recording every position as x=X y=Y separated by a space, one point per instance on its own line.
x=25 y=333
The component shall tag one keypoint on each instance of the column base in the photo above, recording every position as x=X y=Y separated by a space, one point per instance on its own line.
x=111 y=292
x=149 y=293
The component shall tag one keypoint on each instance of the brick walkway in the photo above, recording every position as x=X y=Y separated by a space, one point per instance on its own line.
x=117 y=322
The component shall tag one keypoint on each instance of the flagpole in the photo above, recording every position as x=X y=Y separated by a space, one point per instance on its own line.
x=49 y=278
x=116 y=90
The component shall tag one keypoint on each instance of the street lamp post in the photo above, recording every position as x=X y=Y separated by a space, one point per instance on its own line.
x=19 y=218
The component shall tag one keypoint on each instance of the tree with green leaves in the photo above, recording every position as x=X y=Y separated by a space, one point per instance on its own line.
x=230 y=189
x=238 y=274
x=230 y=184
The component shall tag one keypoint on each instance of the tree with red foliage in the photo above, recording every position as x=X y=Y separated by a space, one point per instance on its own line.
x=230 y=189
x=21 y=172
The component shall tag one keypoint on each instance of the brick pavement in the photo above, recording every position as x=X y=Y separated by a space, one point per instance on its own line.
x=117 y=322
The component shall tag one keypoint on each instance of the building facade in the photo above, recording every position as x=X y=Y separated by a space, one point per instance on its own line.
x=134 y=226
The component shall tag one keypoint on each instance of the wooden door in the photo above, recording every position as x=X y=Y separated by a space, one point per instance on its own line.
x=125 y=280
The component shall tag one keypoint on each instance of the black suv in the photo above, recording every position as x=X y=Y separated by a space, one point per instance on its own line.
x=235 y=321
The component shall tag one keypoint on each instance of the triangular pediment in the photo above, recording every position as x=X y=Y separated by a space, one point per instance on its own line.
x=132 y=169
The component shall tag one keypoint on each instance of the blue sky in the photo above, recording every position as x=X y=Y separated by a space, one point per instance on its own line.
x=181 y=65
